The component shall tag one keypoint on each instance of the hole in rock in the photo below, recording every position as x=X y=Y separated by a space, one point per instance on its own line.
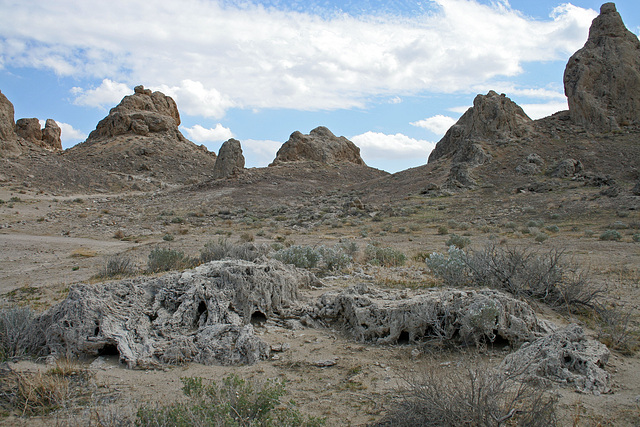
x=258 y=318
x=202 y=307
x=403 y=338
x=109 y=350
x=500 y=342
x=96 y=331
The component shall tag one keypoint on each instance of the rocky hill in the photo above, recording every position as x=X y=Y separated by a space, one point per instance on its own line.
x=140 y=138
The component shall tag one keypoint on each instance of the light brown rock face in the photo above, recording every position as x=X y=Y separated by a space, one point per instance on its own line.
x=29 y=129
x=51 y=136
x=492 y=117
x=142 y=113
x=602 y=80
x=230 y=160
x=7 y=124
x=321 y=145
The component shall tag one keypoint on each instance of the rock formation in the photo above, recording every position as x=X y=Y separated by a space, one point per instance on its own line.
x=602 y=80
x=493 y=117
x=142 y=113
x=48 y=138
x=8 y=144
x=230 y=160
x=203 y=315
x=565 y=357
x=469 y=316
x=319 y=146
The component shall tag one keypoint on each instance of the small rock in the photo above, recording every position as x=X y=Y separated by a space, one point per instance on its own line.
x=325 y=363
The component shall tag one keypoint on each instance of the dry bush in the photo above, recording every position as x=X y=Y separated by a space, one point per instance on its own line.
x=161 y=259
x=615 y=329
x=473 y=396
x=17 y=333
x=118 y=266
x=32 y=394
x=223 y=249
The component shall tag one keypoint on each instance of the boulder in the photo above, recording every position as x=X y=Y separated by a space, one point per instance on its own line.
x=602 y=80
x=51 y=136
x=230 y=160
x=463 y=316
x=205 y=315
x=493 y=117
x=29 y=129
x=321 y=145
x=142 y=113
x=566 y=357
x=567 y=168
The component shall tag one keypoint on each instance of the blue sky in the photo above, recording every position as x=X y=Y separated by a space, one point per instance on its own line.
x=391 y=76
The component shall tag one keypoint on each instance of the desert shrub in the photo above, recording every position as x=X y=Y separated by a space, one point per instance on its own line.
x=511 y=225
x=589 y=233
x=247 y=237
x=610 y=235
x=350 y=247
x=19 y=333
x=168 y=237
x=223 y=248
x=234 y=402
x=473 y=396
x=300 y=256
x=615 y=330
x=541 y=237
x=33 y=394
x=636 y=237
x=619 y=225
x=457 y=241
x=334 y=259
x=552 y=228
x=118 y=266
x=443 y=230
x=387 y=257
x=161 y=259
x=452 y=269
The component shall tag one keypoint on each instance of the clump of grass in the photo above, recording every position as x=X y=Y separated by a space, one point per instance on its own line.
x=233 y=402
x=384 y=256
x=161 y=259
x=118 y=266
x=610 y=235
x=17 y=338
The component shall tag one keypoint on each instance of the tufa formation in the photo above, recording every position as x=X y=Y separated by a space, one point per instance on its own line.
x=47 y=137
x=602 y=80
x=321 y=145
x=230 y=160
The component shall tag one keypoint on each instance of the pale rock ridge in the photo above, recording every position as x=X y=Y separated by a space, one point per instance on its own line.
x=9 y=146
x=142 y=113
x=602 y=80
x=202 y=315
x=230 y=160
x=321 y=145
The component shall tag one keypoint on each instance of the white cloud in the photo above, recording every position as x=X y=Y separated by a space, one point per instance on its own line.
x=538 y=111
x=259 y=153
x=460 y=110
x=212 y=57
x=107 y=95
x=438 y=124
x=200 y=134
x=68 y=134
x=376 y=145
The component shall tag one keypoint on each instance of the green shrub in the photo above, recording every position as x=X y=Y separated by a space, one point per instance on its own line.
x=611 y=235
x=168 y=237
x=386 y=257
x=300 y=256
x=552 y=228
x=451 y=268
x=541 y=237
x=161 y=259
x=234 y=402
x=457 y=241
x=636 y=237
x=443 y=230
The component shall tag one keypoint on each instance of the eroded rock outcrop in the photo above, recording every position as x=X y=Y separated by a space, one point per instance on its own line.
x=230 y=160
x=469 y=316
x=142 y=113
x=47 y=137
x=321 y=145
x=602 y=80
x=8 y=145
x=493 y=119
x=203 y=315
x=566 y=357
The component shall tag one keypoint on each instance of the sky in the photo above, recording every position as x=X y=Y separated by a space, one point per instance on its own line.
x=392 y=76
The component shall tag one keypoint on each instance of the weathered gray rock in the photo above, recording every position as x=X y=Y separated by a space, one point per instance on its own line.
x=531 y=165
x=602 y=80
x=321 y=145
x=51 y=134
x=567 y=168
x=203 y=315
x=636 y=189
x=566 y=357
x=230 y=160
x=29 y=129
x=142 y=113
x=470 y=316
x=493 y=117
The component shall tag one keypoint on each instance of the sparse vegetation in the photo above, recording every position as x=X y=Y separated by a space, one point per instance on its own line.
x=161 y=259
x=458 y=241
x=234 y=402
x=118 y=266
x=611 y=235
x=16 y=332
x=223 y=248
x=300 y=256
x=384 y=256
x=475 y=395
